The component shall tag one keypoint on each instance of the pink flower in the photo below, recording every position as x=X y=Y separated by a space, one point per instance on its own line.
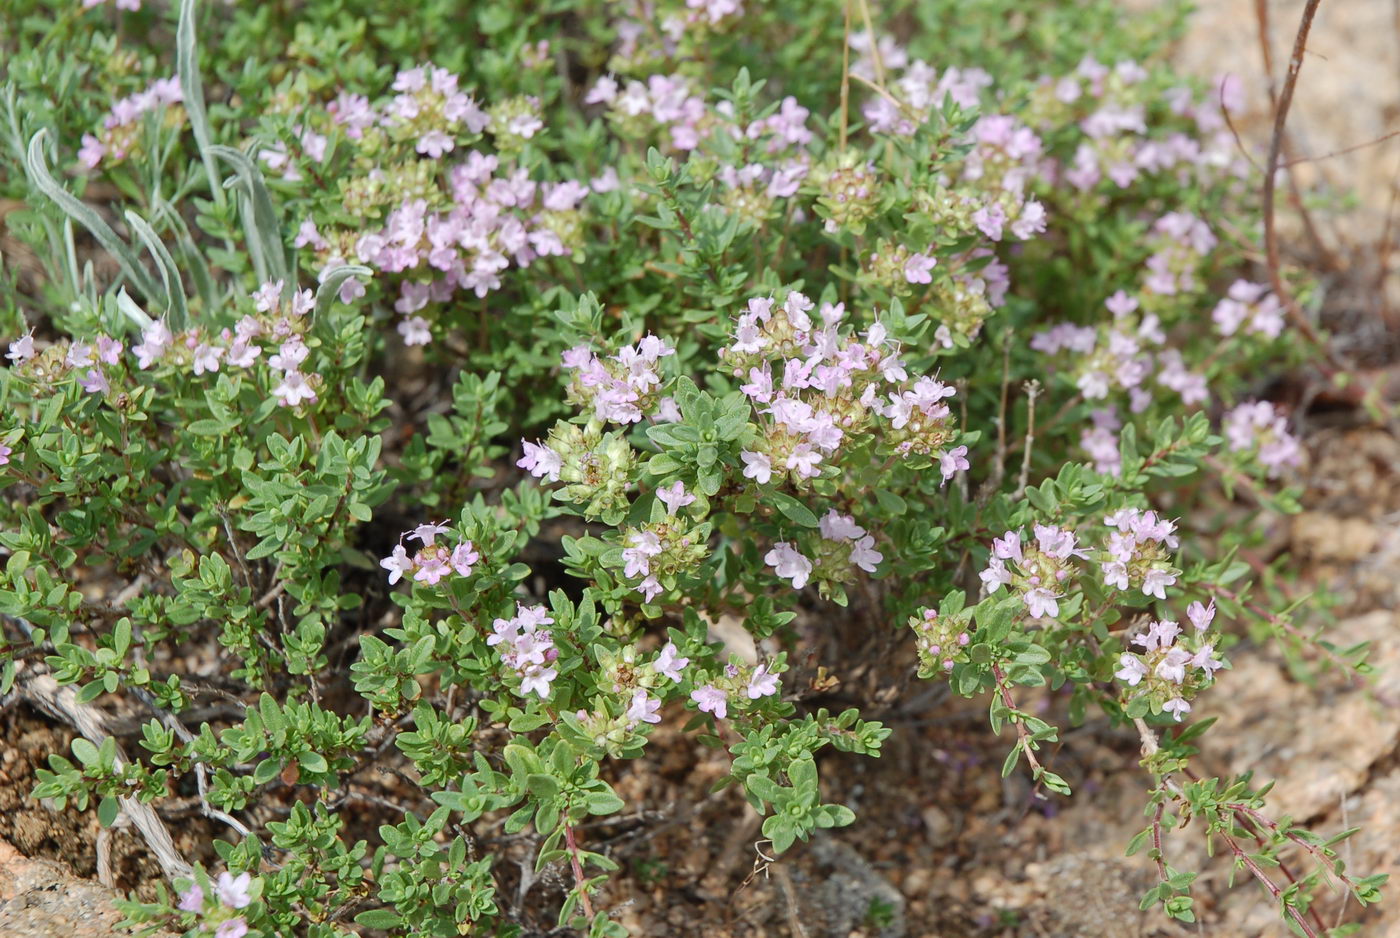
x=294 y=389
x=918 y=268
x=953 y=462
x=1008 y=546
x=308 y=234
x=643 y=708
x=603 y=91
x=21 y=349
x=79 y=355
x=434 y=144
x=95 y=382
x=1154 y=583
x=91 y=152
x=669 y=663
x=1041 y=603
x=864 y=555
x=232 y=890
x=674 y=496
x=109 y=351
x=990 y=220
x=242 y=354
x=303 y=302
x=1173 y=666
x=540 y=461
x=1176 y=707
x=757 y=466
x=415 y=331
x=1120 y=304
x=835 y=526
x=761 y=683
x=428 y=532
x=1132 y=671
x=397 y=563
x=192 y=899
x=711 y=699
x=233 y=928
x=635 y=563
x=206 y=358
x=268 y=296
x=789 y=564
x=995 y=576
x=650 y=588
x=803 y=459
x=5 y=452
x=432 y=567
x=464 y=555
x=1203 y=659
x=536 y=680
x=290 y=355
x=1201 y=616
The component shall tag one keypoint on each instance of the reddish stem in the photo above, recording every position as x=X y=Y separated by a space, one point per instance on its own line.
x=578 y=871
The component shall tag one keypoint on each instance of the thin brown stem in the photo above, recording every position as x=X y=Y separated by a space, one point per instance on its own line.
x=1022 y=733
x=845 y=77
x=1032 y=392
x=1272 y=887
x=578 y=871
x=1271 y=249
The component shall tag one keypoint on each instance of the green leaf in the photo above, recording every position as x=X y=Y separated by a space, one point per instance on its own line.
x=331 y=282
x=781 y=829
x=794 y=510
x=542 y=786
x=192 y=90
x=84 y=751
x=38 y=171
x=379 y=918
x=604 y=802
x=107 y=810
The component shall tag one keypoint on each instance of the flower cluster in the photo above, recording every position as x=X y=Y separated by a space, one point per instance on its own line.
x=1109 y=105
x=844 y=545
x=429 y=111
x=941 y=640
x=1004 y=159
x=87 y=363
x=734 y=683
x=918 y=92
x=638 y=688
x=656 y=553
x=1099 y=440
x=433 y=560
x=445 y=228
x=231 y=893
x=774 y=147
x=1040 y=573
x=664 y=103
x=595 y=467
x=485 y=224
x=1138 y=552
x=282 y=324
x=1119 y=357
x=1180 y=242
x=621 y=388
x=280 y=321
x=1259 y=429
x=1249 y=307
x=819 y=387
x=1169 y=671
x=120 y=133
x=526 y=648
